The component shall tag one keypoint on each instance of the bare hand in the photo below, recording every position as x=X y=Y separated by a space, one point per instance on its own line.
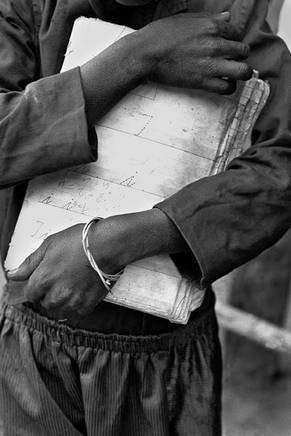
x=193 y=51
x=60 y=278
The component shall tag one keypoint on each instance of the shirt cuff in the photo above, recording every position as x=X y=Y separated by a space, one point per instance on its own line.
x=65 y=139
x=197 y=265
x=198 y=212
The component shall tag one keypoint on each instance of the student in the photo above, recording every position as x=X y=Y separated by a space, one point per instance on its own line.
x=112 y=371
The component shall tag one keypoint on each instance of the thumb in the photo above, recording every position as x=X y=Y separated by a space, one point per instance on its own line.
x=24 y=271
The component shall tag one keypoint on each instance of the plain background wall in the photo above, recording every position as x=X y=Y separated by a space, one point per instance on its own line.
x=2 y=281
x=285 y=27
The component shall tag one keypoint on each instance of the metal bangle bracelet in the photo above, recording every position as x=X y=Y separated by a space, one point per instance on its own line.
x=108 y=280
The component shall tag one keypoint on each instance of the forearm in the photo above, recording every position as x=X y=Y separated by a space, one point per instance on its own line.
x=113 y=73
x=120 y=240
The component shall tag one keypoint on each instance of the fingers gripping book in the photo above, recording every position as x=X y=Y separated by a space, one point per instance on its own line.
x=155 y=141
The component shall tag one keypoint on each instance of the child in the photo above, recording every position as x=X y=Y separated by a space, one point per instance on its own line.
x=109 y=370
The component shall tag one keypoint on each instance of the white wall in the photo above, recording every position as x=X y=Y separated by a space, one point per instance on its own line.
x=2 y=281
x=285 y=24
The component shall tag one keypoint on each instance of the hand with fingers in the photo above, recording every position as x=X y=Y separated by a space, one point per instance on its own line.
x=196 y=51
x=185 y=50
x=59 y=278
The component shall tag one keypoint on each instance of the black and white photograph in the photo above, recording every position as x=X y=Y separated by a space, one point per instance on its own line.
x=145 y=218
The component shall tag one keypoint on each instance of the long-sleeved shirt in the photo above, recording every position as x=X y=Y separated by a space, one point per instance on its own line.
x=226 y=219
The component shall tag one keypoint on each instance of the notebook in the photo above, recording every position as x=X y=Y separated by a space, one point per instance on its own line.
x=155 y=141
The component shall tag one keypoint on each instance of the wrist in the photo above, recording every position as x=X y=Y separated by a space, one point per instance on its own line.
x=117 y=241
x=138 y=58
x=105 y=241
x=146 y=50
x=149 y=50
x=106 y=279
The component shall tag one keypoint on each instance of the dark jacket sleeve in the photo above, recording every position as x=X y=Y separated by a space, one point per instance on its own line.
x=229 y=218
x=43 y=124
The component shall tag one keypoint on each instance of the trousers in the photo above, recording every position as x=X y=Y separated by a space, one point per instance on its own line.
x=59 y=381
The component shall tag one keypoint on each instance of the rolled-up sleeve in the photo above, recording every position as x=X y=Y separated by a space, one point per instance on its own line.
x=229 y=218
x=43 y=124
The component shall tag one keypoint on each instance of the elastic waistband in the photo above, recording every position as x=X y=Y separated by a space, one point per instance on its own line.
x=56 y=332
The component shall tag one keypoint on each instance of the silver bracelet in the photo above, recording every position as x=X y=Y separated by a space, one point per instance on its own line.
x=108 y=280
